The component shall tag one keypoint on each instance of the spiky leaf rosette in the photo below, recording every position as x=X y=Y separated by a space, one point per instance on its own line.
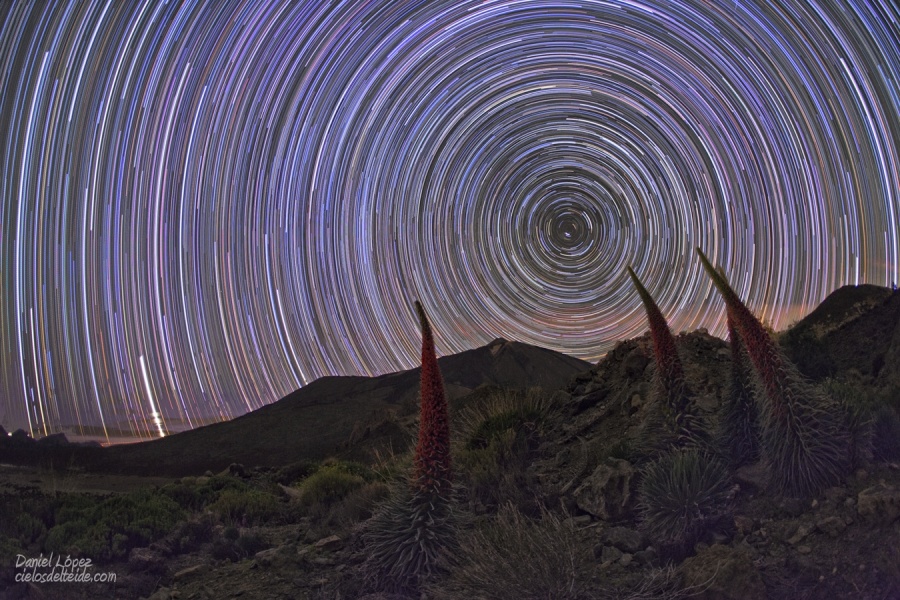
x=407 y=539
x=740 y=418
x=681 y=417
x=681 y=495
x=804 y=435
x=432 y=459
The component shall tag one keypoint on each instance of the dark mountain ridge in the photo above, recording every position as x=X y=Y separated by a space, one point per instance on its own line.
x=856 y=329
x=319 y=419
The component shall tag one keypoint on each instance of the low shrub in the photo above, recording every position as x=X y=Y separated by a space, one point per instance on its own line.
x=108 y=529
x=193 y=533
x=237 y=545
x=245 y=507
x=294 y=472
x=496 y=442
x=328 y=485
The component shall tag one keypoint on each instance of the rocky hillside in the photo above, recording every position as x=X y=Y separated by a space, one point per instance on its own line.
x=855 y=329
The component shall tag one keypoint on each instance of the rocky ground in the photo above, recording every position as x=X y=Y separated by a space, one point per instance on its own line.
x=582 y=463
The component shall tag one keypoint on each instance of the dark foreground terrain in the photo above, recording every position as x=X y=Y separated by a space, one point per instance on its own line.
x=548 y=483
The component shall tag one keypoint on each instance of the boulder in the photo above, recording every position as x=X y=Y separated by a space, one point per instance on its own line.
x=879 y=504
x=188 y=572
x=609 y=554
x=608 y=493
x=626 y=540
x=330 y=543
x=145 y=560
x=832 y=526
x=753 y=478
x=590 y=399
x=635 y=365
x=723 y=573
x=20 y=437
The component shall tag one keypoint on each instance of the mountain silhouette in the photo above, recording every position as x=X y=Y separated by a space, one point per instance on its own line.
x=322 y=418
x=856 y=328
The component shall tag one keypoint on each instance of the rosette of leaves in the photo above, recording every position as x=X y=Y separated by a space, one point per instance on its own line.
x=682 y=495
x=804 y=433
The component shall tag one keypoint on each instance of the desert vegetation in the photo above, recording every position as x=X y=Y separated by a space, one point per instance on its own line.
x=680 y=466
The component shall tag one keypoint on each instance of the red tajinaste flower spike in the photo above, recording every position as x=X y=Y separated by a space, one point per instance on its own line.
x=804 y=434
x=433 y=470
x=765 y=355
x=671 y=371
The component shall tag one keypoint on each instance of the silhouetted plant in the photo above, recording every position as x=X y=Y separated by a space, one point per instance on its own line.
x=804 y=434
x=409 y=534
x=681 y=418
x=740 y=417
x=682 y=495
x=432 y=459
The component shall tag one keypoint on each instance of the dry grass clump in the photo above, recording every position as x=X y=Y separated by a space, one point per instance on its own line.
x=662 y=583
x=513 y=557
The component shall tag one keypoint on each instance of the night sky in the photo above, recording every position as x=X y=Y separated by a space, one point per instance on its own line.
x=206 y=205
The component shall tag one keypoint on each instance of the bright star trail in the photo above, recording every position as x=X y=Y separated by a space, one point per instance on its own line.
x=206 y=205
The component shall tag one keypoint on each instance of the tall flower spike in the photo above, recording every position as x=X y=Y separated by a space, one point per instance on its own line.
x=804 y=438
x=673 y=389
x=432 y=459
x=411 y=531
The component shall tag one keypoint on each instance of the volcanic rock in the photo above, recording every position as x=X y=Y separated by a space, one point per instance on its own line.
x=879 y=504
x=608 y=492
x=626 y=540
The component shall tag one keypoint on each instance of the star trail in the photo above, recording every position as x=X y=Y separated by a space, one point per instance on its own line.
x=206 y=205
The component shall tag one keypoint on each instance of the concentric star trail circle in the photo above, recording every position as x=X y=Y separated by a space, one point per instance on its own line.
x=206 y=205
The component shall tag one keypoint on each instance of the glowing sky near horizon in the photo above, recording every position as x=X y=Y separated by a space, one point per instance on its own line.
x=206 y=205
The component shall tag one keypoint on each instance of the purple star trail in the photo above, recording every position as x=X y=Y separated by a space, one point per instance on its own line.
x=206 y=205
